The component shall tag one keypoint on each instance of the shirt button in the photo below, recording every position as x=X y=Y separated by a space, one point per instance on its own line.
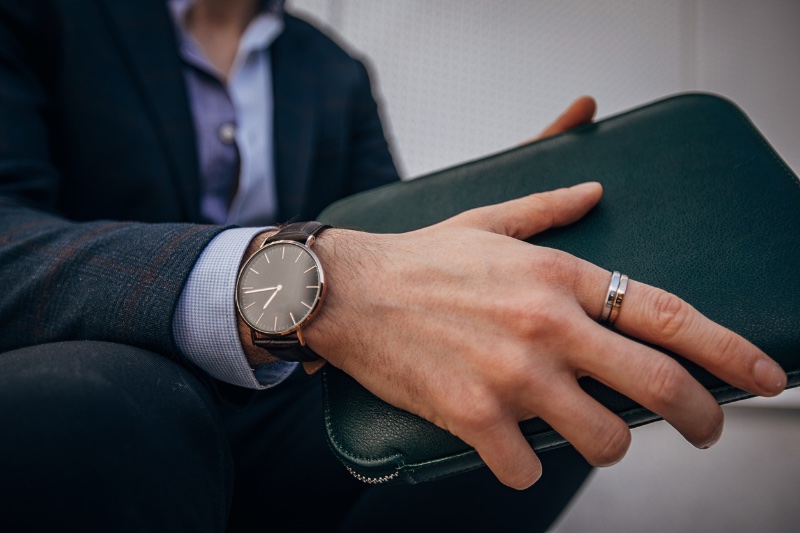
x=227 y=133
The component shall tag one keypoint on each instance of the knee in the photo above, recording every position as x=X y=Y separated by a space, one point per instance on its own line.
x=100 y=425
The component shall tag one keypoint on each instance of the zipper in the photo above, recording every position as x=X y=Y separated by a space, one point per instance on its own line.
x=372 y=480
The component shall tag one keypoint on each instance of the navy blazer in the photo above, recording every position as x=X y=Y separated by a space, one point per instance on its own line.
x=99 y=185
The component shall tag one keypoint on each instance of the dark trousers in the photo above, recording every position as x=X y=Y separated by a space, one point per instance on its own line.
x=103 y=437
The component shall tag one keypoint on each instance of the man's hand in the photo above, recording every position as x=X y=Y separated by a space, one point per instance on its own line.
x=580 y=112
x=475 y=330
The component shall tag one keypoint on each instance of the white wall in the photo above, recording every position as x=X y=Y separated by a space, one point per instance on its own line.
x=463 y=78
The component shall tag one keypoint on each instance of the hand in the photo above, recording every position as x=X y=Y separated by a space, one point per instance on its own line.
x=475 y=330
x=580 y=112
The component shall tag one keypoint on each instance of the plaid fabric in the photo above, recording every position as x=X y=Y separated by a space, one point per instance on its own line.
x=110 y=281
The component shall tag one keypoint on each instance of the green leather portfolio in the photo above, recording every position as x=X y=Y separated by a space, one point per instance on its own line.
x=705 y=209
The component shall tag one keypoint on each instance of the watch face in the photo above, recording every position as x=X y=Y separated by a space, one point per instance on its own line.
x=279 y=288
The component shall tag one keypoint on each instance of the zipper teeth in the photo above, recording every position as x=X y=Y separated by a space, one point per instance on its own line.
x=372 y=480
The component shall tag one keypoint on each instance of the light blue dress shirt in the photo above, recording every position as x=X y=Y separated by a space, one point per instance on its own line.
x=234 y=127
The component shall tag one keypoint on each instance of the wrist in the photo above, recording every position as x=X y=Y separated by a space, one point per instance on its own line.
x=256 y=243
x=280 y=289
x=350 y=259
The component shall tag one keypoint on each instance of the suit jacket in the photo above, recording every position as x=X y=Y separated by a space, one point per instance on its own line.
x=99 y=187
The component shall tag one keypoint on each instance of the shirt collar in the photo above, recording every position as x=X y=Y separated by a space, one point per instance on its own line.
x=258 y=36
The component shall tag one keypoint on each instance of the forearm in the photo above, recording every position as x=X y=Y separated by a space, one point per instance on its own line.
x=113 y=281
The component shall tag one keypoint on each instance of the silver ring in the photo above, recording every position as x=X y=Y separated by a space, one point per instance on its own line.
x=623 y=286
x=613 y=302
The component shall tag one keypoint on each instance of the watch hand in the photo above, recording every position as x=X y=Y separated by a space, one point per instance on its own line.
x=261 y=290
x=278 y=289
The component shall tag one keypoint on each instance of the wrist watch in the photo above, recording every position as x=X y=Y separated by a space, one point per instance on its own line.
x=279 y=290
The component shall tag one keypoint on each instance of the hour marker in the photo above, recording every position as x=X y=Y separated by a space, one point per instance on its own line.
x=312 y=286
x=251 y=305
x=293 y=320
x=247 y=288
x=254 y=270
x=275 y=325
x=265 y=257
x=299 y=256
x=306 y=305
x=283 y=252
x=310 y=269
x=259 y=318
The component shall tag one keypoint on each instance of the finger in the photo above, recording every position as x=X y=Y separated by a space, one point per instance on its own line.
x=655 y=381
x=661 y=318
x=526 y=216
x=505 y=451
x=599 y=435
x=580 y=112
x=658 y=317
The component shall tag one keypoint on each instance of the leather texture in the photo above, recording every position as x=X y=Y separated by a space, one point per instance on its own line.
x=696 y=202
x=298 y=231
x=287 y=348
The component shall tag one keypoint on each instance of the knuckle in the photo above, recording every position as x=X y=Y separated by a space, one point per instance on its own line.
x=667 y=384
x=565 y=266
x=484 y=218
x=474 y=416
x=479 y=218
x=611 y=444
x=545 y=206
x=670 y=314
x=536 y=319
x=555 y=265
x=509 y=370
x=726 y=349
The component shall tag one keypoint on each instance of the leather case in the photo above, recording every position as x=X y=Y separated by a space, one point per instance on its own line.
x=696 y=202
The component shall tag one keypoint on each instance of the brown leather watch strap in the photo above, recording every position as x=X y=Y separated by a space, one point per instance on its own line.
x=287 y=348
x=298 y=231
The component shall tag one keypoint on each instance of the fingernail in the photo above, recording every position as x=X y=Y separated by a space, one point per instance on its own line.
x=714 y=439
x=769 y=376
x=589 y=185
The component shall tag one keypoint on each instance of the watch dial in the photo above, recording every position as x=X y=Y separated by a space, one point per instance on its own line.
x=279 y=287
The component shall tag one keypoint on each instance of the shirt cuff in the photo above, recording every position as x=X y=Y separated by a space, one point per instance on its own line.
x=204 y=324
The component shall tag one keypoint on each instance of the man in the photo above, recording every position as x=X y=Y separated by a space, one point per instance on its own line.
x=99 y=106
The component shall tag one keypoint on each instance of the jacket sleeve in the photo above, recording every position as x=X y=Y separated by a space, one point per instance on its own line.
x=64 y=280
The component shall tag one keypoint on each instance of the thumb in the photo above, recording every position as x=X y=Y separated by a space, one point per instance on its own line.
x=529 y=215
x=580 y=112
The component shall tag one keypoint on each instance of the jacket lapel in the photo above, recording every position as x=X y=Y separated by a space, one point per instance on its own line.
x=146 y=36
x=293 y=87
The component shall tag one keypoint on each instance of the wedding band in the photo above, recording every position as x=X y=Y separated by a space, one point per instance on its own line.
x=623 y=286
x=613 y=302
